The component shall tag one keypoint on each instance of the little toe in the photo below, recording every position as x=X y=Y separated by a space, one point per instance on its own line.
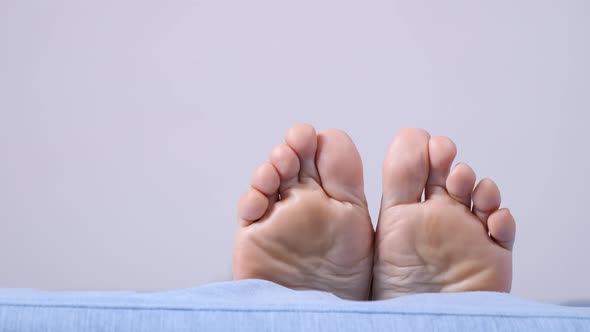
x=502 y=228
x=286 y=162
x=340 y=167
x=252 y=206
x=460 y=184
x=405 y=168
x=441 y=152
x=486 y=199
x=302 y=138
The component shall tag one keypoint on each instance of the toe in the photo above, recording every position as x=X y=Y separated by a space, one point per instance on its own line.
x=302 y=138
x=266 y=179
x=486 y=199
x=252 y=206
x=502 y=228
x=340 y=167
x=460 y=184
x=286 y=162
x=405 y=168
x=441 y=153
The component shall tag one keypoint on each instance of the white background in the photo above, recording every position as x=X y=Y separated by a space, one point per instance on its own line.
x=128 y=129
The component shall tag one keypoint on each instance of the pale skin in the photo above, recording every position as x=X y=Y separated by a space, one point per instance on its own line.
x=304 y=222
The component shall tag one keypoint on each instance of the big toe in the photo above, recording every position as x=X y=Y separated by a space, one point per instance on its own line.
x=340 y=167
x=405 y=168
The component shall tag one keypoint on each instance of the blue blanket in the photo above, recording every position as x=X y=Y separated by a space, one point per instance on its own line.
x=256 y=305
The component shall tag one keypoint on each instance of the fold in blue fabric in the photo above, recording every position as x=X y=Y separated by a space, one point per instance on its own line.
x=257 y=305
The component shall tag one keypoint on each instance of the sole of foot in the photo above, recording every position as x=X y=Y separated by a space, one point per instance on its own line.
x=457 y=239
x=304 y=223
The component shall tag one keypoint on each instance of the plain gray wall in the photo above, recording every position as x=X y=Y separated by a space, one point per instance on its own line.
x=128 y=129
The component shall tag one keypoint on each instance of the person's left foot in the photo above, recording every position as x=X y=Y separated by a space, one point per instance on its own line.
x=304 y=222
x=440 y=244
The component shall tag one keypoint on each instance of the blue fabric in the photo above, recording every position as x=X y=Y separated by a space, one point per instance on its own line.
x=256 y=305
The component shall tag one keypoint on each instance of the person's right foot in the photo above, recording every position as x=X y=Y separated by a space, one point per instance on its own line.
x=441 y=244
x=304 y=222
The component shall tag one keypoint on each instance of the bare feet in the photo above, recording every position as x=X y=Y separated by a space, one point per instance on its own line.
x=440 y=244
x=304 y=222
